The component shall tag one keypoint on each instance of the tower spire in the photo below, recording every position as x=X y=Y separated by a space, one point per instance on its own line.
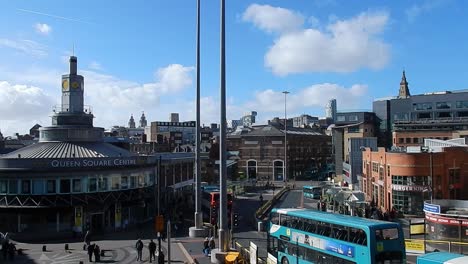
x=404 y=90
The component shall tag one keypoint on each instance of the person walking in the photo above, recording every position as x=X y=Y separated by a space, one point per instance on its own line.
x=212 y=244
x=97 y=253
x=90 y=249
x=152 y=250
x=87 y=239
x=206 y=247
x=139 y=248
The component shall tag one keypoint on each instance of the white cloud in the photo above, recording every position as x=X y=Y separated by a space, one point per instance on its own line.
x=174 y=77
x=314 y=96
x=342 y=46
x=22 y=106
x=94 y=65
x=28 y=47
x=43 y=29
x=273 y=19
x=418 y=9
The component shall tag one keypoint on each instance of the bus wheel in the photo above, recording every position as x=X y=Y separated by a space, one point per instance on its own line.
x=284 y=260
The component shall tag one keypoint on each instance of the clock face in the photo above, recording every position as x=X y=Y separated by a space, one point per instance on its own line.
x=75 y=85
x=65 y=85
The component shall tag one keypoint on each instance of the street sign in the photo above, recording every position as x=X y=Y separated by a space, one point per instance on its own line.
x=431 y=208
x=159 y=223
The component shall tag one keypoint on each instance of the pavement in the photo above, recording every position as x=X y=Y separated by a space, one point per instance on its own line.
x=119 y=247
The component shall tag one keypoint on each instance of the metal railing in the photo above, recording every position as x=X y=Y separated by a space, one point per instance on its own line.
x=260 y=213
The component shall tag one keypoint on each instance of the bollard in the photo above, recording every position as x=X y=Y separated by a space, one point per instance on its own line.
x=44 y=248
x=66 y=246
x=81 y=262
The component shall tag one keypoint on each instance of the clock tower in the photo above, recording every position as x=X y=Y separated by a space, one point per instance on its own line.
x=72 y=89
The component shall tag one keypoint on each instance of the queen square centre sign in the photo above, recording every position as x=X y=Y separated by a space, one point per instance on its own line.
x=92 y=163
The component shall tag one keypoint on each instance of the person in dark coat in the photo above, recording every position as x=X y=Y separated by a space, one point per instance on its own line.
x=152 y=250
x=206 y=246
x=97 y=253
x=160 y=257
x=139 y=248
x=90 y=252
x=212 y=244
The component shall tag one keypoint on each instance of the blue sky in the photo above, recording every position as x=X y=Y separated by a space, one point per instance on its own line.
x=140 y=56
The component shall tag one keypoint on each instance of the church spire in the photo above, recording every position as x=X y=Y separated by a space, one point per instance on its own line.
x=404 y=90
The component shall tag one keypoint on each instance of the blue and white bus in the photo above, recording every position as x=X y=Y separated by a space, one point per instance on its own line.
x=297 y=236
x=312 y=192
x=442 y=258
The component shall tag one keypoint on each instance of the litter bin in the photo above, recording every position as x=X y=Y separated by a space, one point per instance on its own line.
x=231 y=257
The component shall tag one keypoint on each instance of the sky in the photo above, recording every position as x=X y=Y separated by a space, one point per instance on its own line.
x=139 y=56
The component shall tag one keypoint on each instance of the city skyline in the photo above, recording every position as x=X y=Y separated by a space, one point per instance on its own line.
x=141 y=57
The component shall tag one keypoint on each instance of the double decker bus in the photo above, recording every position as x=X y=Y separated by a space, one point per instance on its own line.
x=312 y=192
x=442 y=258
x=210 y=204
x=299 y=236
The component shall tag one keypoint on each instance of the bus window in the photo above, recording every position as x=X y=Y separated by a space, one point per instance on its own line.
x=386 y=234
x=285 y=220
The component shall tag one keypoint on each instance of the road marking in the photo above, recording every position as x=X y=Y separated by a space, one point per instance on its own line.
x=186 y=254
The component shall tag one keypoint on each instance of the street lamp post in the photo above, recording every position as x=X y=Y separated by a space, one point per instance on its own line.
x=285 y=139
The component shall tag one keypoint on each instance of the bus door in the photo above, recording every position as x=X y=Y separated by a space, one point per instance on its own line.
x=389 y=245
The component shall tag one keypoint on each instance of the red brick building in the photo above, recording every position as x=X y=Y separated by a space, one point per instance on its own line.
x=402 y=180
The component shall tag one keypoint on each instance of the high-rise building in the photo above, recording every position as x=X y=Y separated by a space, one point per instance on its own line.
x=330 y=110
x=174 y=117
x=304 y=120
x=249 y=118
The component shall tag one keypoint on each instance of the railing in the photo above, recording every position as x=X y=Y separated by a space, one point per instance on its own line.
x=423 y=246
x=267 y=206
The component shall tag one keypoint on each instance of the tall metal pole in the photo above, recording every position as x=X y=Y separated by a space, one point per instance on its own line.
x=285 y=176
x=168 y=241
x=198 y=212
x=158 y=197
x=222 y=143
x=431 y=174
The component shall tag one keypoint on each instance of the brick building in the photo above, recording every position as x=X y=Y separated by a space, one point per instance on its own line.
x=403 y=180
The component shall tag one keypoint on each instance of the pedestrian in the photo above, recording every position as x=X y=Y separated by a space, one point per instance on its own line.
x=97 y=253
x=206 y=247
x=261 y=199
x=11 y=251
x=160 y=257
x=139 y=248
x=212 y=244
x=90 y=249
x=152 y=250
x=87 y=239
x=125 y=224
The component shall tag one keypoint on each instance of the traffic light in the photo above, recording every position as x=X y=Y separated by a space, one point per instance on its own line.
x=236 y=219
x=214 y=215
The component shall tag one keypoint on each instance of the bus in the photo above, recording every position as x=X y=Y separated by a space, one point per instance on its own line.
x=210 y=204
x=312 y=192
x=299 y=236
x=442 y=258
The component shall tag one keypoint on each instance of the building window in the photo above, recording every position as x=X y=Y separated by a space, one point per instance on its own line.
x=422 y=106
x=124 y=182
x=415 y=140
x=443 y=105
x=341 y=118
x=401 y=140
x=13 y=186
x=37 y=186
x=381 y=173
x=375 y=167
x=102 y=183
x=76 y=185
x=400 y=116
x=353 y=118
x=278 y=170
x=462 y=104
x=353 y=129
x=408 y=140
x=424 y=115
x=3 y=186
x=92 y=186
x=25 y=186
x=65 y=186
x=444 y=114
x=251 y=169
x=133 y=182
x=51 y=186
x=115 y=185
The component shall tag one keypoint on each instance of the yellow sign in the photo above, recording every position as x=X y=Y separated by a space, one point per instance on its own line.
x=78 y=217
x=380 y=247
x=417 y=229
x=288 y=232
x=415 y=246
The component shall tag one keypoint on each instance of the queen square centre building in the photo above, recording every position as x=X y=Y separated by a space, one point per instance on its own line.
x=72 y=181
